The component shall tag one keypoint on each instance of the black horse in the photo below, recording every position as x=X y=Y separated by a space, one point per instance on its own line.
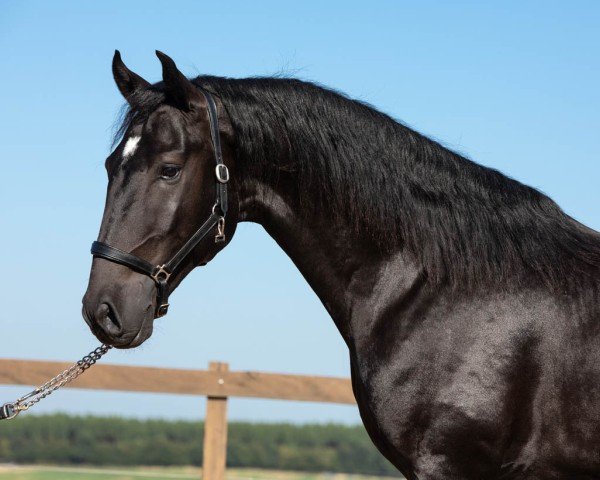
x=468 y=301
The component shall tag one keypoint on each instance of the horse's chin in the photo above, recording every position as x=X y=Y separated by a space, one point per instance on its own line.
x=140 y=337
x=124 y=343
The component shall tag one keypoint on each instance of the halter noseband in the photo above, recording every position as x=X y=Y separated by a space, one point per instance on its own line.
x=161 y=273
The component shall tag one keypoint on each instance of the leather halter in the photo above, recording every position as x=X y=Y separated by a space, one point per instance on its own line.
x=161 y=273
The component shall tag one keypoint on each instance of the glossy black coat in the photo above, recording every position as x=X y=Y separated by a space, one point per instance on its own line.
x=467 y=300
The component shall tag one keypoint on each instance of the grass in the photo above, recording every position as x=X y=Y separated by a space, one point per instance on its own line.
x=40 y=472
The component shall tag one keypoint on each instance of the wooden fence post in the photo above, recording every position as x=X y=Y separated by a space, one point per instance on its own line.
x=215 y=432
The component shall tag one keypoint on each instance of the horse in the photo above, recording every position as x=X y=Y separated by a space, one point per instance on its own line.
x=468 y=301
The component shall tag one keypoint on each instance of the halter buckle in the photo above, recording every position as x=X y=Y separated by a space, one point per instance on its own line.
x=161 y=274
x=222 y=173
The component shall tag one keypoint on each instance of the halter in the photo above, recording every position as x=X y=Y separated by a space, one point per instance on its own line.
x=161 y=273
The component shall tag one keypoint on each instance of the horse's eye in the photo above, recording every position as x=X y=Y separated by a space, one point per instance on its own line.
x=169 y=171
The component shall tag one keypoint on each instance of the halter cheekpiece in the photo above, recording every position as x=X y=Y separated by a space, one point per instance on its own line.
x=161 y=273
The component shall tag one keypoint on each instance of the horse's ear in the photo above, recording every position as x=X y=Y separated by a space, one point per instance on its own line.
x=127 y=81
x=178 y=88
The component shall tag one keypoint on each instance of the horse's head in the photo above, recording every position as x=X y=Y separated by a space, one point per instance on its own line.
x=162 y=188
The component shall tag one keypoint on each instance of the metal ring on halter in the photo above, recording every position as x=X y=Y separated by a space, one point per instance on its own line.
x=161 y=273
x=214 y=210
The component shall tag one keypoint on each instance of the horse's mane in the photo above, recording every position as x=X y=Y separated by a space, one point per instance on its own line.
x=469 y=225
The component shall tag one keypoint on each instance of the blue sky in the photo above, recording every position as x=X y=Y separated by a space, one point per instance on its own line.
x=512 y=85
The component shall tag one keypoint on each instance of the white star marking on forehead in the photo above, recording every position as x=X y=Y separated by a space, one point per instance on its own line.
x=131 y=146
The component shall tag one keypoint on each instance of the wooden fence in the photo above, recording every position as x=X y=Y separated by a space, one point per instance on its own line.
x=217 y=383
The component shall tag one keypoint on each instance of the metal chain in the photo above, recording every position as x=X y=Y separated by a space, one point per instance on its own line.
x=11 y=410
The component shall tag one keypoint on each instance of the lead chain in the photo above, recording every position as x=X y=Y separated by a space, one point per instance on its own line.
x=11 y=410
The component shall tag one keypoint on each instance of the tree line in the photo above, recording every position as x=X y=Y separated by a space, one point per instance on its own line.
x=76 y=440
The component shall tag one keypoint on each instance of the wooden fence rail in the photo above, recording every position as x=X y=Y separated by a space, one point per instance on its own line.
x=217 y=384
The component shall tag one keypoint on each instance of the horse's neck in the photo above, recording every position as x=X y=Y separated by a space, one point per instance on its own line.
x=348 y=276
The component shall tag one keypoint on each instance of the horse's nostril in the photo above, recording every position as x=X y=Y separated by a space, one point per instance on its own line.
x=102 y=312
x=108 y=320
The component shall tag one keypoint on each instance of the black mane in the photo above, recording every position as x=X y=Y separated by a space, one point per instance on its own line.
x=469 y=225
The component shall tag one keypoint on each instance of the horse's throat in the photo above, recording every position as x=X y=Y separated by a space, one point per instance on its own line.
x=343 y=270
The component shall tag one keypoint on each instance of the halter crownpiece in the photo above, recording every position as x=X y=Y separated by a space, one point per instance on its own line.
x=161 y=273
